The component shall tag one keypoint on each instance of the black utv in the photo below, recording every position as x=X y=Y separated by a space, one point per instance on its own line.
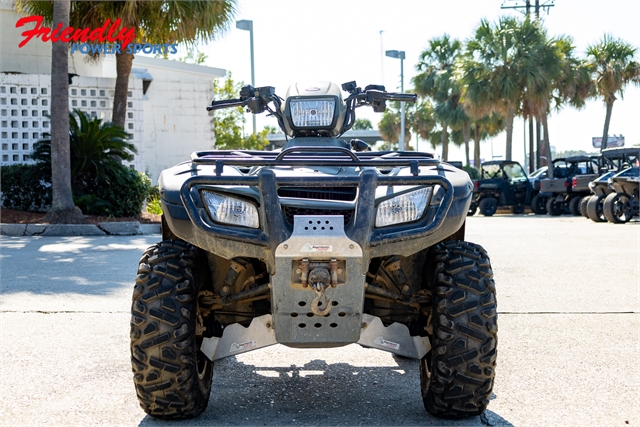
x=502 y=183
x=323 y=244
x=559 y=193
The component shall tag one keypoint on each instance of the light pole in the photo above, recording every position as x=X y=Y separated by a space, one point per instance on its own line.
x=400 y=54
x=247 y=25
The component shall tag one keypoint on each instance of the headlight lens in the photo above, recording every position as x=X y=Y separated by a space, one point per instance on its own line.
x=404 y=208
x=312 y=112
x=231 y=210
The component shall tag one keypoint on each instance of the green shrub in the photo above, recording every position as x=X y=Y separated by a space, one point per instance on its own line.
x=120 y=191
x=473 y=172
x=26 y=187
x=153 y=201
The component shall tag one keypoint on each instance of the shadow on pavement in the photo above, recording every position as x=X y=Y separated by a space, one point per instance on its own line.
x=319 y=394
x=80 y=265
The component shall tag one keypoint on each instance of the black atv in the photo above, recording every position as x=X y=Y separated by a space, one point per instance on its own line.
x=622 y=203
x=613 y=161
x=322 y=244
x=502 y=183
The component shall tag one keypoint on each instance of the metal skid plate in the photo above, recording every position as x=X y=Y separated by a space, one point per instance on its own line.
x=394 y=338
x=318 y=238
x=237 y=339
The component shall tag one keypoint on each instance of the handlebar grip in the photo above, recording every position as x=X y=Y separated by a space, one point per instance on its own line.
x=410 y=97
x=226 y=103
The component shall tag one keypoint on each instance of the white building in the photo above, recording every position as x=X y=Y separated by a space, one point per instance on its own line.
x=166 y=114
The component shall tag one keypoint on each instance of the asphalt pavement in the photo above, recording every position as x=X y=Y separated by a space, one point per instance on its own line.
x=568 y=351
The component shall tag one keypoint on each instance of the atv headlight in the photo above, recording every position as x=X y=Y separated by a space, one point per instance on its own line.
x=312 y=113
x=231 y=210
x=404 y=208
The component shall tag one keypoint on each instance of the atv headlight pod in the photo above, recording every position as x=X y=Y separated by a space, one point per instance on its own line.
x=312 y=113
x=406 y=207
x=230 y=210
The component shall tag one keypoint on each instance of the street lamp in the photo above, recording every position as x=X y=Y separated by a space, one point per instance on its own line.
x=247 y=25
x=400 y=54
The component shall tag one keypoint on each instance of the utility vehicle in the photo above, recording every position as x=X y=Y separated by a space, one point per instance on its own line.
x=502 y=183
x=322 y=244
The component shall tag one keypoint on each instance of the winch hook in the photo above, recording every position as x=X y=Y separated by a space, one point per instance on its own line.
x=320 y=288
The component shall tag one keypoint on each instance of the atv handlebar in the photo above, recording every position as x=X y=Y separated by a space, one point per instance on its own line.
x=226 y=103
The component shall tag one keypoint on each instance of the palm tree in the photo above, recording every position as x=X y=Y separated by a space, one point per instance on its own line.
x=155 y=22
x=501 y=63
x=437 y=81
x=389 y=126
x=95 y=147
x=63 y=210
x=422 y=120
x=612 y=64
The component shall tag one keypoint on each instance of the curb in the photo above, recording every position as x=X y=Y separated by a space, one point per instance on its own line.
x=132 y=228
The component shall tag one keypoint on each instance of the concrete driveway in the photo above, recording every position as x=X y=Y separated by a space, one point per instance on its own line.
x=569 y=339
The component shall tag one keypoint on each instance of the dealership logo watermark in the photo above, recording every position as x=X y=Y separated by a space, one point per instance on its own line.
x=107 y=39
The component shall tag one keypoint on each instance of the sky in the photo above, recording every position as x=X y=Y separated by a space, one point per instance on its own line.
x=341 y=40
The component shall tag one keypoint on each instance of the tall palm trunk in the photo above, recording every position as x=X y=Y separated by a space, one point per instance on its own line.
x=63 y=211
x=465 y=135
x=547 y=146
x=124 y=62
x=607 y=120
x=532 y=148
x=445 y=142
x=509 y=129
x=476 y=146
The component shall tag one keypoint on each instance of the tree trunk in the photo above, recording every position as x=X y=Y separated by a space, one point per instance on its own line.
x=509 y=148
x=63 y=211
x=476 y=147
x=607 y=120
x=547 y=146
x=532 y=159
x=445 y=142
x=124 y=61
x=465 y=135
x=541 y=149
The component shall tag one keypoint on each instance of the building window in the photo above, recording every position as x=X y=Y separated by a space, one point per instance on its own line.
x=4 y=136
x=94 y=104
x=34 y=124
x=23 y=90
x=14 y=146
x=5 y=146
x=3 y=89
x=5 y=158
x=45 y=113
x=83 y=103
x=14 y=101
x=24 y=101
x=34 y=101
x=34 y=135
x=25 y=146
x=130 y=115
x=45 y=102
x=129 y=104
x=130 y=125
x=16 y=158
x=102 y=93
x=25 y=135
x=83 y=92
x=43 y=91
x=25 y=124
x=34 y=91
x=14 y=135
x=14 y=124
x=4 y=123
x=25 y=113
x=103 y=104
x=3 y=113
x=94 y=114
x=3 y=101
x=14 y=112
x=93 y=92
x=130 y=135
x=74 y=103
x=25 y=157
x=12 y=90
x=45 y=124
x=74 y=92
x=129 y=94
x=34 y=113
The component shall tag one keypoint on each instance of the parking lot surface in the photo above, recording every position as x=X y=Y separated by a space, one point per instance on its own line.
x=568 y=351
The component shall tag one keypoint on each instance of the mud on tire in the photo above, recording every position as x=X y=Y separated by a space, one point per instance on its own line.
x=171 y=376
x=457 y=375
